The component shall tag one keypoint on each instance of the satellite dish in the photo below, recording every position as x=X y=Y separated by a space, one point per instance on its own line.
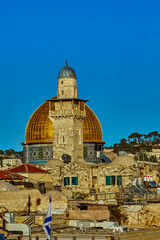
x=66 y=158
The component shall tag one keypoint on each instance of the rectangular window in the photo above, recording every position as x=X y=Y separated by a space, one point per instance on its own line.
x=76 y=102
x=52 y=106
x=74 y=180
x=66 y=181
x=62 y=92
x=82 y=106
x=119 y=180
x=85 y=152
x=110 y=180
x=98 y=147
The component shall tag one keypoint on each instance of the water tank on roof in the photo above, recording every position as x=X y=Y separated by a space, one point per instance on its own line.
x=9 y=217
x=134 y=180
x=140 y=181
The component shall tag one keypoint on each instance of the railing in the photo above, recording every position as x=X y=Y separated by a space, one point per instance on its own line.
x=68 y=112
x=138 y=234
x=73 y=237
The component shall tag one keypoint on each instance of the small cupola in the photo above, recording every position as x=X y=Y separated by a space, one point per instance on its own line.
x=67 y=72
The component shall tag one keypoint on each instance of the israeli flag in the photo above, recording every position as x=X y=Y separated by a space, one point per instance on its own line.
x=47 y=222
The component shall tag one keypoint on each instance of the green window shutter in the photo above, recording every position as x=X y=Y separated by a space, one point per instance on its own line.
x=112 y=180
x=74 y=180
x=108 y=180
x=66 y=181
x=119 y=180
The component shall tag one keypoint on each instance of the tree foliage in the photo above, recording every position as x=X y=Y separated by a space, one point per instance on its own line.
x=117 y=214
x=137 y=142
x=9 y=152
x=144 y=157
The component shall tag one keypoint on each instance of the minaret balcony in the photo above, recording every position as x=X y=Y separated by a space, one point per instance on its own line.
x=67 y=113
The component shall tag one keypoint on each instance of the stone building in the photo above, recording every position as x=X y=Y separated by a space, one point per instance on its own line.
x=90 y=179
x=6 y=163
x=32 y=173
x=66 y=135
x=63 y=125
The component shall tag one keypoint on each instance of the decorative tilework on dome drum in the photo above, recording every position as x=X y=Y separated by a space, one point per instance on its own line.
x=39 y=128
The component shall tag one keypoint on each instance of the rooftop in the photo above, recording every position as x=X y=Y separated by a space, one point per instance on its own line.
x=4 y=174
x=27 y=168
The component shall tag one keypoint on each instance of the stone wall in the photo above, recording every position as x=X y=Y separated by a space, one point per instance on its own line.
x=145 y=234
x=67 y=88
x=90 y=215
x=132 y=212
x=90 y=176
x=38 y=177
x=67 y=119
x=150 y=215
x=17 y=201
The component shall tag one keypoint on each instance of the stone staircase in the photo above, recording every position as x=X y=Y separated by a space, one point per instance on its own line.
x=29 y=221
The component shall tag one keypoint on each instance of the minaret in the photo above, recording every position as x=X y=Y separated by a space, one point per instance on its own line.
x=67 y=113
x=67 y=83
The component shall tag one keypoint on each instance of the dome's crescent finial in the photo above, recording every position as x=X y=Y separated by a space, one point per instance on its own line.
x=66 y=63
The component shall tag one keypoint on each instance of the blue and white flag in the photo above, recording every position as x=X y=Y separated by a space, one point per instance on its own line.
x=47 y=222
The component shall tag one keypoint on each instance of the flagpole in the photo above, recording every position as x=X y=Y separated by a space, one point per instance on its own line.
x=48 y=221
x=51 y=222
x=51 y=216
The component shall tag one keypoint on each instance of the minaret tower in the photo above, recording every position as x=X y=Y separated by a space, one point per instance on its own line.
x=67 y=113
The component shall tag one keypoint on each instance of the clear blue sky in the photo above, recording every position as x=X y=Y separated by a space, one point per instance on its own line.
x=113 y=45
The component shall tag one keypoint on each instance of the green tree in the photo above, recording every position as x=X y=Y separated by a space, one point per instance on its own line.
x=135 y=138
x=116 y=148
x=117 y=214
x=153 y=137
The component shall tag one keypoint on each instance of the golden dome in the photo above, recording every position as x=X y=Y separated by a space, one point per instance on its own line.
x=39 y=128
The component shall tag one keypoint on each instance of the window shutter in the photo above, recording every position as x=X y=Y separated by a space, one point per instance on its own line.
x=74 y=180
x=119 y=180
x=65 y=181
x=113 y=180
x=68 y=180
x=108 y=180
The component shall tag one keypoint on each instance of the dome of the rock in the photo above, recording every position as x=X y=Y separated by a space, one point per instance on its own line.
x=40 y=130
x=63 y=125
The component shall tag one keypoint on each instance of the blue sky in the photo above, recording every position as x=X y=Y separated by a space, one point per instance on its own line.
x=114 y=47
